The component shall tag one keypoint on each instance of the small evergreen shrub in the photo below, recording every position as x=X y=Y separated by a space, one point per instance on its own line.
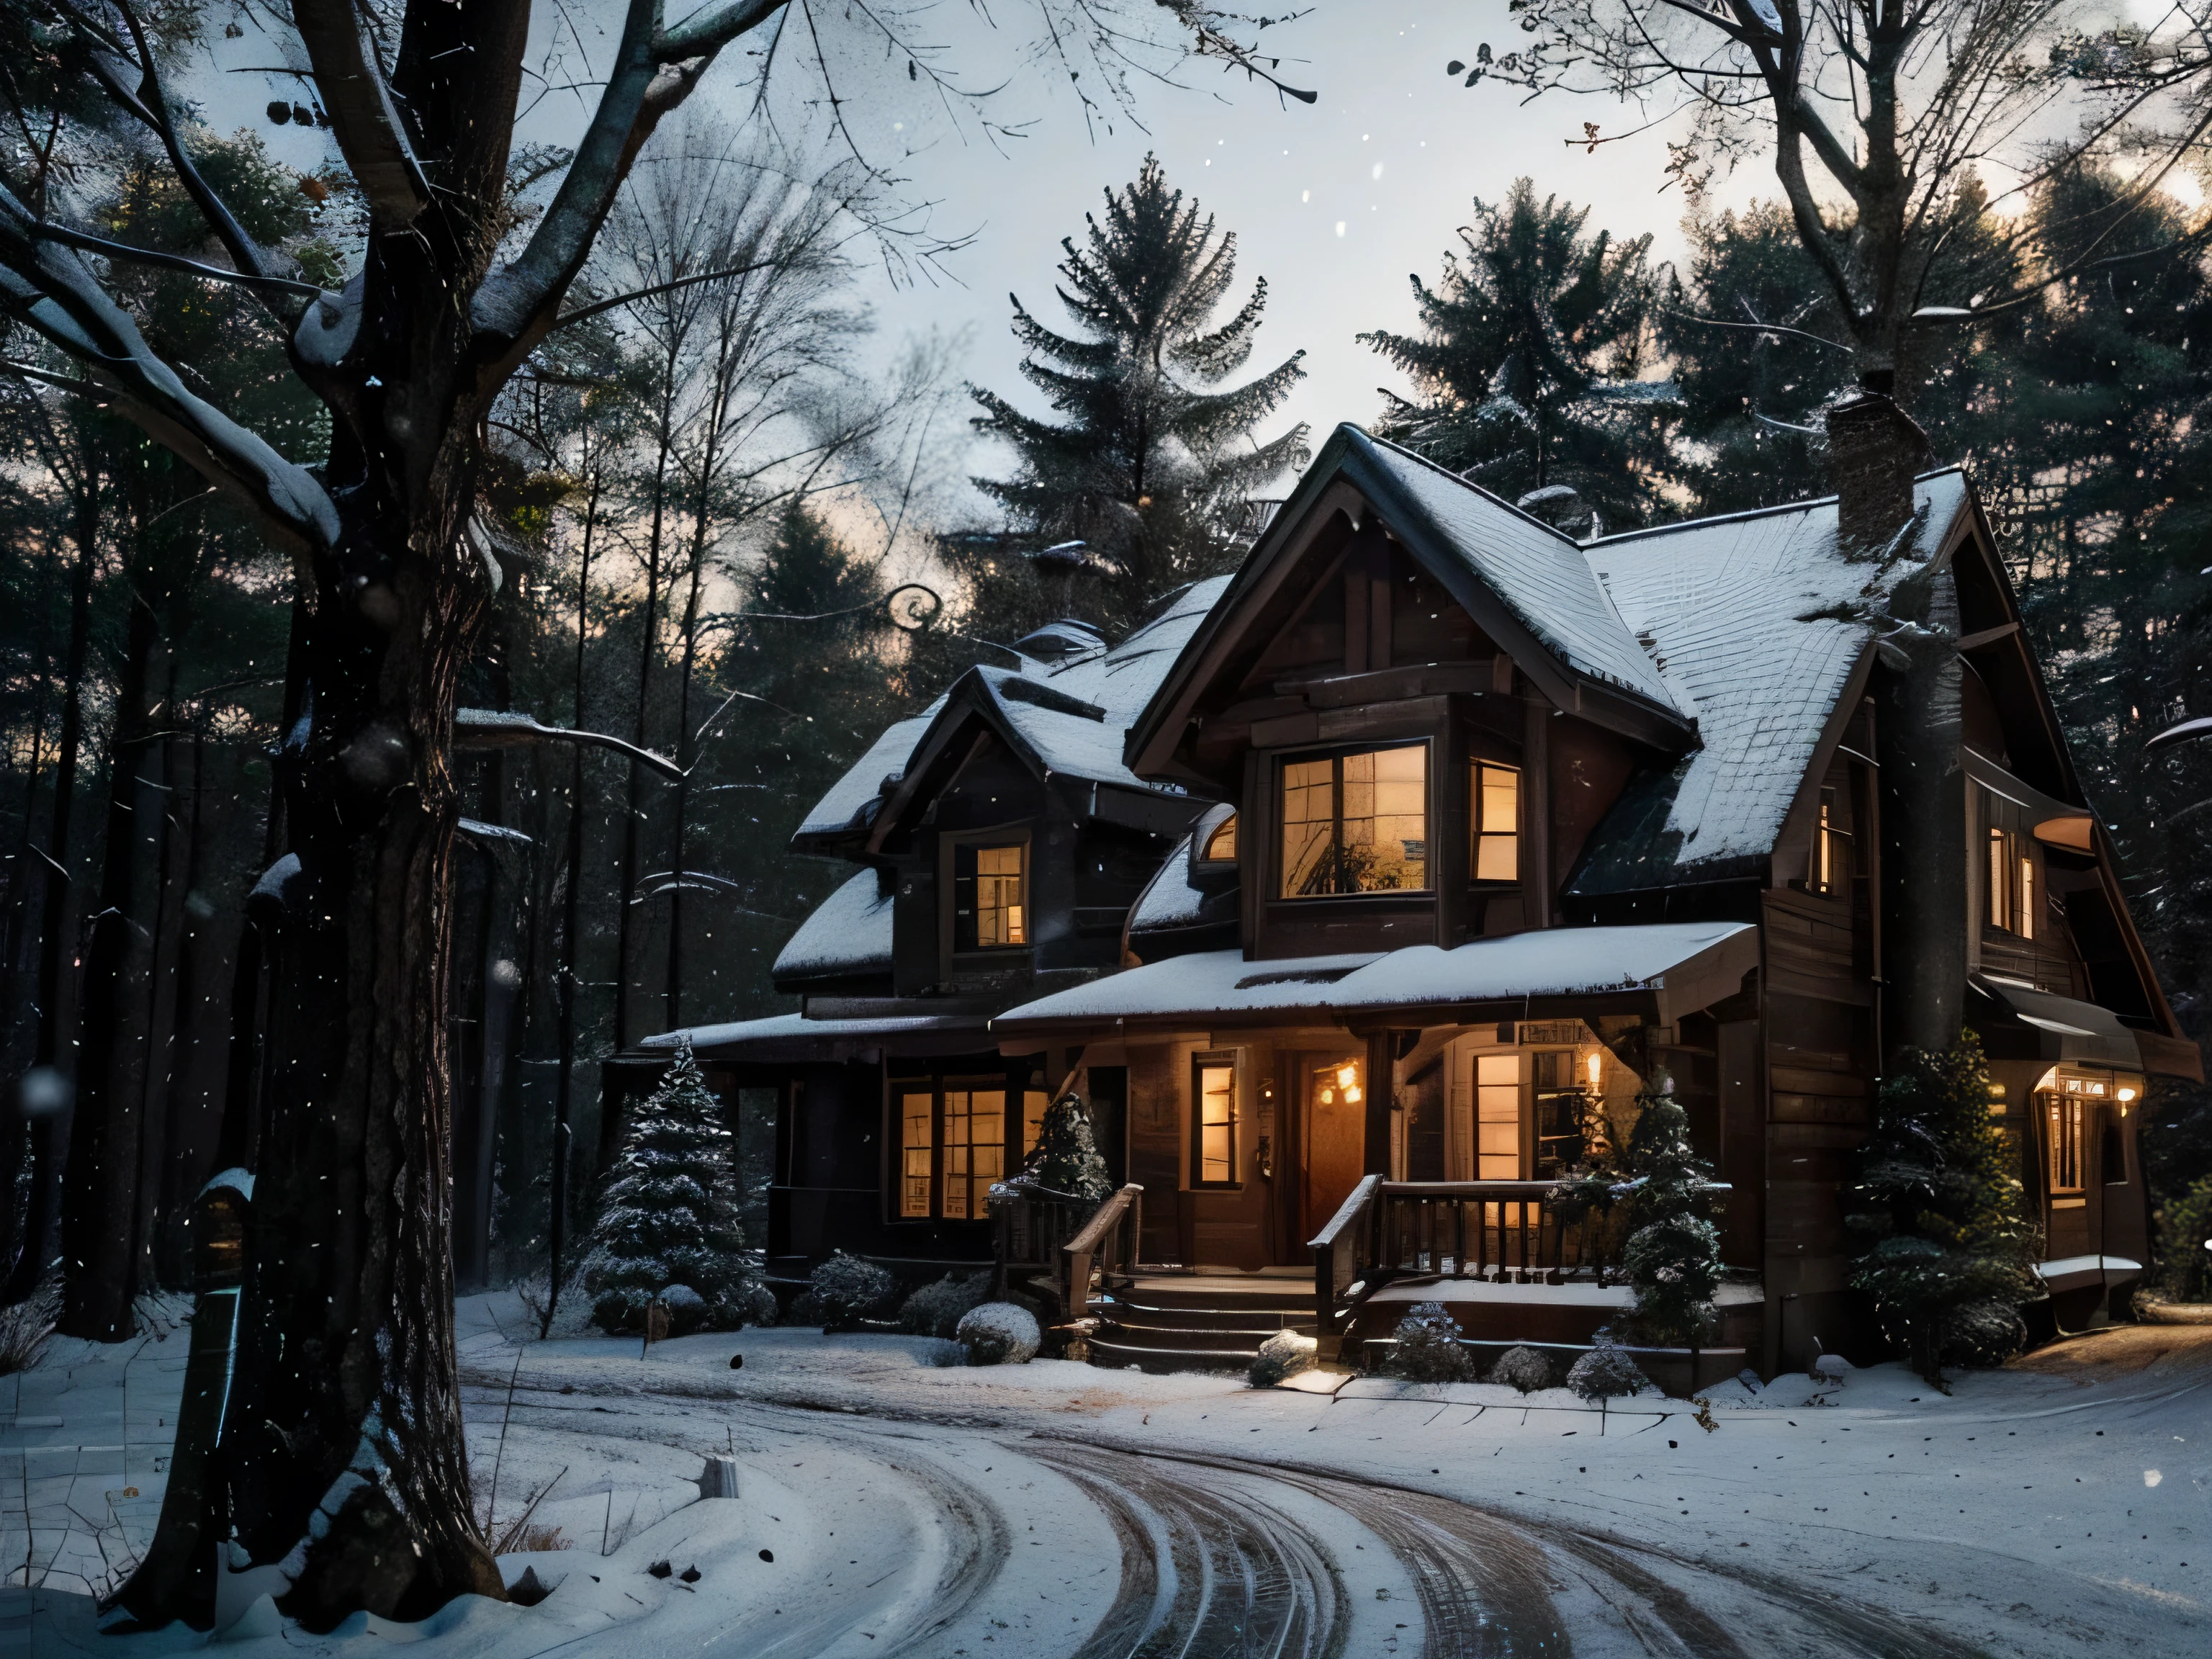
x=936 y=1309
x=1065 y=1166
x=842 y=1292
x=1951 y=1251
x=999 y=1334
x=1674 y=1253
x=1523 y=1369
x=667 y=1218
x=1606 y=1373
x=1281 y=1356
x=1428 y=1346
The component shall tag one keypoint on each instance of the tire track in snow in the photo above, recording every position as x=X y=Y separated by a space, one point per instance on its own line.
x=1204 y=1572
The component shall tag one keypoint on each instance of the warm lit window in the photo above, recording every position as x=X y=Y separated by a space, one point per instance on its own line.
x=1496 y=803
x=1221 y=844
x=1831 y=869
x=990 y=905
x=1497 y=1117
x=1356 y=824
x=2068 y=1117
x=1034 y=1102
x=975 y=1151
x=2009 y=871
x=1213 y=1138
x=917 y=1147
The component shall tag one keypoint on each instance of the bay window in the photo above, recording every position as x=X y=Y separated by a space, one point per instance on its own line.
x=1356 y=823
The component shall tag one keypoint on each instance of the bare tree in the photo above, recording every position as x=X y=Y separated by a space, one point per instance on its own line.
x=1883 y=119
x=341 y=1449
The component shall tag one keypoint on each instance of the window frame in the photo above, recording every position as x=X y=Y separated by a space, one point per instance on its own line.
x=1216 y=1059
x=1831 y=864
x=951 y=845
x=1015 y=1090
x=1278 y=773
x=1228 y=826
x=2067 y=1114
x=1476 y=831
x=2012 y=888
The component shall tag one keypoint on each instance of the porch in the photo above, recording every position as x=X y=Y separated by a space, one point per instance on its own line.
x=1512 y=1268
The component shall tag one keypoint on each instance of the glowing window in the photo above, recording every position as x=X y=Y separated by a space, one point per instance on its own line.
x=1497 y=1117
x=990 y=905
x=1034 y=1101
x=2067 y=1118
x=1496 y=811
x=1832 y=866
x=917 y=1148
x=1221 y=844
x=975 y=1151
x=1213 y=1149
x=1356 y=824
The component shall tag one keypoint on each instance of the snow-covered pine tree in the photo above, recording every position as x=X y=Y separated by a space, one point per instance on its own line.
x=1065 y=1164
x=1154 y=458
x=1674 y=1252
x=667 y=1217
x=1527 y=366
x=1950 y=1248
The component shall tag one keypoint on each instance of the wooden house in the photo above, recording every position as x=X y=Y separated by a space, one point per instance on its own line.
x=1363 y=890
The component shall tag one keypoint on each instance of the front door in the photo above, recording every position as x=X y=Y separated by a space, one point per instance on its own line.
x=1333 y=1118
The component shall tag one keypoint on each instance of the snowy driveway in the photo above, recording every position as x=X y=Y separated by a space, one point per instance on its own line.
x=891 y=1506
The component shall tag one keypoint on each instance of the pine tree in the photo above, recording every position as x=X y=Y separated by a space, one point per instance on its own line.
x=667 y=1220
x=1951 y=1250
x=1674 y=1255
x=1065 y=1163
x=1527 y=365
x=1154 y=458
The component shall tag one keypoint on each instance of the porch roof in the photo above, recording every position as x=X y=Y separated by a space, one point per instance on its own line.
x=1678 y=966
x=795 y=1039
x=2076 y=1033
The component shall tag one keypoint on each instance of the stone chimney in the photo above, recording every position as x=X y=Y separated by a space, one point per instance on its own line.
x=1874 y=448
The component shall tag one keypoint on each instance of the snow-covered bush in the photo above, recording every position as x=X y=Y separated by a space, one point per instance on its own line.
x=936 y=1309
x=1428 y=1347
x=1523 y=1369
x=668 y=1219
x=1831 y=1369
x=999 y=1334
x=1283 y=1355
x=1606 y=1372
x=842 y=1292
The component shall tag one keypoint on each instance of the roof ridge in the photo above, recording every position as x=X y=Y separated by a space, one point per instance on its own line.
x=1808 y=504
x=1491 y=495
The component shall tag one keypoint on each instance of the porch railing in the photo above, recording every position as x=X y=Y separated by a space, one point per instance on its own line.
x=1502 y=1230
x=1050 y=1244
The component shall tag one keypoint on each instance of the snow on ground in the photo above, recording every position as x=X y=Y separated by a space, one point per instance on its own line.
x=891 y=1503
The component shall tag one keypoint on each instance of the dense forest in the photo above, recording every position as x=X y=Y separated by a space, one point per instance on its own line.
x=699 y=502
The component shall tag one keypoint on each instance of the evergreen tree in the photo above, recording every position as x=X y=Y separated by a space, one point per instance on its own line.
x=1674 y=1255
x=1154 y=458
x=1065 y=1163
x=667 y=1218
x=1950 y=1249
x=1527 y=365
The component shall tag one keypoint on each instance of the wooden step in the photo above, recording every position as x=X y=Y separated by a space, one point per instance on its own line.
x=1265 y=1321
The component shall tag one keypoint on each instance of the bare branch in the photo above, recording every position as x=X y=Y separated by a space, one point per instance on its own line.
x=635 y=294
x=711 y=28
x=363 y=118
x=500 y=728
x=87 y=242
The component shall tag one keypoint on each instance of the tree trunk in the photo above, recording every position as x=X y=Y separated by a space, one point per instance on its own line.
x=31 y=1259
x=100 y=1207
x=556 y=1229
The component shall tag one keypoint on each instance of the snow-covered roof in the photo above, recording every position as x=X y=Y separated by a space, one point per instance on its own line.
x=1049 y=708
x=1689 y=964
x=1541 y=574
x=849 y=933
x=1169 y=900
x=794 y=1037
x=1741 y=614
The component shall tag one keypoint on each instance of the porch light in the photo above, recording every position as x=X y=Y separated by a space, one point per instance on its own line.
x=1348 y=1075
x=1594 y=1063
x=1352 y=1094
x=2126 y=1093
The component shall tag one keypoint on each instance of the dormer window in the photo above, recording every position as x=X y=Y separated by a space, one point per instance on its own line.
x=990 y=896
x=1832 y=865
x=1221 y=843
x=2011 y=870
x=1356 y=823
x=1497 y=813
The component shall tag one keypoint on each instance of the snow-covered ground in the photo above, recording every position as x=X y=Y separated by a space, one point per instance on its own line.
x=891 y=1505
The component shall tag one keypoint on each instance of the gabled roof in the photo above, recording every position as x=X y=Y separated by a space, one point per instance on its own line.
x=1067 y=717
x=1757 y=624
x=1528 y=586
